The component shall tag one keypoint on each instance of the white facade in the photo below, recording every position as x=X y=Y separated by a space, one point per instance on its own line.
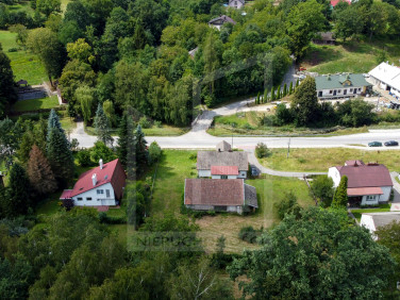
x=224 y=177
x=341 y=93
x=368 y=222
x=387 y=77
x=99 y=196
x=333 y=173
x=207 y=174
x=236 y=4
x=232 y=208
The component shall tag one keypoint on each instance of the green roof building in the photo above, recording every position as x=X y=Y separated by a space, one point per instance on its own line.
x=341 y=86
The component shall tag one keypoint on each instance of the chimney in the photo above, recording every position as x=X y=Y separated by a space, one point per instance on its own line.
x=94 y=179
x=101 y=163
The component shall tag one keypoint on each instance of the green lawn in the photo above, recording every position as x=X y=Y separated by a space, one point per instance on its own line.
x=25 y=65
x=169 y=186
x=321 y=159
x=352 y=56
x=357 y=212
x=249 y=124
x=35 y=104
x=50 y=205
x=67 y=123
x=165 y=130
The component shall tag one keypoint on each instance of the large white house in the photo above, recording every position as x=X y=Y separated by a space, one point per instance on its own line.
x=101 y=186
x=368 y=184
x=341 y=86
x=387 y=77
x=373 y=221
x=223 y=163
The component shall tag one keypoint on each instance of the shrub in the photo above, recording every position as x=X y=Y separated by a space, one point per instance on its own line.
x=68 y=204
x=262 y=150
x=249 y=234
x=105 y=219
x=155 y=152
x=144 y=122
x=193 y=156
x=13 y=50
x=288 y=205
x=83 y=157
x=157 y=124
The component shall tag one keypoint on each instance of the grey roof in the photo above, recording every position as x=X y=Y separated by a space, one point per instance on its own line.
x=250 y=195
x=193 y=51
x=340 y=81
x=324 y=36
x=223 y=146
x=382 y=219
x=206 y=159
x=221 y=20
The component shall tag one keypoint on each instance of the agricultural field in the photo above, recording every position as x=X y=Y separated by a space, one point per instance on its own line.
x=177 y=165
x=351 y=56
x=25 y=65
x=319 y=160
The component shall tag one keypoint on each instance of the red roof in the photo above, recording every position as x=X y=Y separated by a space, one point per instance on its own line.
x=66 y=195
x=370 y=175
x=364 y=191
x=224 y=170
x=111 y=172
x=335 y=2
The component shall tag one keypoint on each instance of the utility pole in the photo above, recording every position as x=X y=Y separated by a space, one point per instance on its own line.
x=288 y=149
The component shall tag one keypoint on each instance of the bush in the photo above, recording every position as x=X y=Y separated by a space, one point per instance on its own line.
x=155 y=152
x=288 y=205
x=13 y=50
x=144 y=122
x=249 y=234
x=157 y=124
x=105 y=219
x=193 y=156
x=68 y=204
x=262 y=150
x=83 y=158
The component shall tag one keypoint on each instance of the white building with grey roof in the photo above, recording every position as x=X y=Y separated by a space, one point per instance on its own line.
x=373 y=221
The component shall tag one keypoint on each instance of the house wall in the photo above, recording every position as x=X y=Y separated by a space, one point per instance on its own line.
x=335 y=175
x=97 y=200
x=386 y=193
x=366 y=200
x=236 y=4
x=215 y=26
x=368 y=222
x=384 y=86
x=204 y=173
x=229 y=177
x=207 y=173
x=341 y=93
x=237 y=209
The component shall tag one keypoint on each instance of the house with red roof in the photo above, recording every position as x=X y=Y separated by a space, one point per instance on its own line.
x=368 y=184
x=101 y=186
x=335 y=2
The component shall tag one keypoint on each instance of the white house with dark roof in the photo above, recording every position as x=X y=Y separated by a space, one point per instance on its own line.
x=230 y=195
x=387 y=77
x=236 y=3
x=222 y=164
x=368 y=184
x=373 y=221
x=101 y=186
x=341 y=86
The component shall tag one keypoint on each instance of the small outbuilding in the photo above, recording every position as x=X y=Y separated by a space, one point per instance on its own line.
x=221 y=20
x=373 y=221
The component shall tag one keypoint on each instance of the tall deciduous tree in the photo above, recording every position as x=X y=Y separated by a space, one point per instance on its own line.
x=340 y=198
x=322 y=187
x=44 y=43
x=102 y=126
x=320 y=256
x=85 y=96
x=8 y=94
x=48 y=6
x=305 y=102
x=40 y=174
x=60 y=156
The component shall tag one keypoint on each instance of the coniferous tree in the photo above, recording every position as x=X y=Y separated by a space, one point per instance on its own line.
x=258 y=98
x=102 y=126
x=278 y=93
x=60 y=156
x=297 y=83
x=272 y=94
x=18 y=195
x=284 y=93
x=340 y=197
x=53 y=122
x=39 y=172
x=122 y=150
x=141 y=149
x=291 y=88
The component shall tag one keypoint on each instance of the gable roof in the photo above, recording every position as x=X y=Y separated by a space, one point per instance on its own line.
x=221 y=20
x=219 y=192
x=241 y=1
x=370 y=175
x=223 y=146
x=111 y=172
x=340 y=81
x=250 y=195
x=207 y=159
x=387 y=74
x=224 y=170
x=382 y=219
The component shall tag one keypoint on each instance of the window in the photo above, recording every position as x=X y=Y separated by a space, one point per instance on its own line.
x=88 y=198
x=79 y=198
x=330 y=92
x=359 y=89
x=100 y=192
x=338 y=91
x=108 y=193
x=224 y=177
x=370 y=198
x=351 y=90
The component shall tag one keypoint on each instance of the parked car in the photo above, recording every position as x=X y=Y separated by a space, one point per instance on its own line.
x=375 y=144
x=391 y=143
x=254 y=171
x=302 y=69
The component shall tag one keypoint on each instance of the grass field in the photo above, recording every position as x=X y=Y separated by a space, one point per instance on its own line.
x=36 y=104
x=248 y=124
x=320 y=160
x=169 y=186
x=25 y=65
x=357 y=212
x=165 y=130
x=352 y=56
